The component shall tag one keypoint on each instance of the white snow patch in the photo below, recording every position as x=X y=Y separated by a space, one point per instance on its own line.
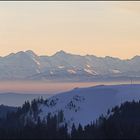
x=71 y=71
x=37 y=71
x=36 y=61
x=60 y=67
x=88 y=66
x=51 y=73
x=116 y=71
x=90 y=71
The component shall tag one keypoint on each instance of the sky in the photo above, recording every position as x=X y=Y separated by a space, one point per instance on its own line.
x=101 y=28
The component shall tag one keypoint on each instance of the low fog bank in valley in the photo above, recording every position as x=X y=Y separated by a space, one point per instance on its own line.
x=17 y=92
x=38 y=87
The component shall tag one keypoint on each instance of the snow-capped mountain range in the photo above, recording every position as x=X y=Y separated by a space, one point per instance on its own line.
x=66 y=67
x=85 y=105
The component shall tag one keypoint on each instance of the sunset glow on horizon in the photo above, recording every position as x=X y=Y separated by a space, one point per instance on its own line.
x=92 y=27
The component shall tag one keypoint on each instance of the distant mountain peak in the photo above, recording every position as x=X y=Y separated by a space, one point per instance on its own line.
x=30 y=52
x=136 y=57
x=61 y=53
x=11 y=54
x=20 y=53
x=111 y=58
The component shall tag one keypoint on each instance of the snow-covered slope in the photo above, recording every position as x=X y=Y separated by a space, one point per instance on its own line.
x=83 y=105
x=64 y=66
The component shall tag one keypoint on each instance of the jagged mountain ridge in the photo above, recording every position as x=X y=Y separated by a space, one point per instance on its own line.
x=64 y=66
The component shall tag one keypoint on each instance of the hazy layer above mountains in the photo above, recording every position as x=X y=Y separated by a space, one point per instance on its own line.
x=63 y=66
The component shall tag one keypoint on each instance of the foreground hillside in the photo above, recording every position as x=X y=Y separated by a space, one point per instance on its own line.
x=83 y=105
x=121 y=122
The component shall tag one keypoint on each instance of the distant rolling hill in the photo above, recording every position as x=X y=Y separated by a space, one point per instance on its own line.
x=17 y=99
x=6 y=109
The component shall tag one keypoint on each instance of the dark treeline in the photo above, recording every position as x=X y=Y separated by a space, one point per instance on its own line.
x=17 y=125
x=121 y=122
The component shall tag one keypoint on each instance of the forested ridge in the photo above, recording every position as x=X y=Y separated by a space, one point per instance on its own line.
x=120 y=122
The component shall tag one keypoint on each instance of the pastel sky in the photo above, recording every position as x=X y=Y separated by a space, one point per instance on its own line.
x=95 y=27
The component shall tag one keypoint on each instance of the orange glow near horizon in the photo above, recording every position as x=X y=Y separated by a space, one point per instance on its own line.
x=100 y=28
x=48 y=87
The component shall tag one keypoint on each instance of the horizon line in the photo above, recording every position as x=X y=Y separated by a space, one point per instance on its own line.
x=65 y=52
